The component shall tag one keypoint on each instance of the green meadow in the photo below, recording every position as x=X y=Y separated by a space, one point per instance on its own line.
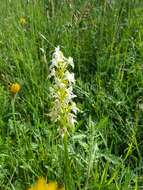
x=104 y=150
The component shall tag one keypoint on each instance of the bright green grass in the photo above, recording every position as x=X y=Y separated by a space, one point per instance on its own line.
x=105 y=38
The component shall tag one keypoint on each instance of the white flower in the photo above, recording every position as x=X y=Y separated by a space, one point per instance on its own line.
x=63 y=109
x=57 y=56
x=70 y=77
x=71 y=119
x=70 y=93
x=52 y=73
x=59 y=83
x=70 y=61
x=74 y=108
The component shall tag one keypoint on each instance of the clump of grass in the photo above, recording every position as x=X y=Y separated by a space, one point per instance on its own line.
x=105 y=40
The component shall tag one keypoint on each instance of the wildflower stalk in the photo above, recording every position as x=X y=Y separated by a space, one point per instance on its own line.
x=13 y=108
x=68 y=178
x=64 y=109
x=14 y=89
x=14 y=118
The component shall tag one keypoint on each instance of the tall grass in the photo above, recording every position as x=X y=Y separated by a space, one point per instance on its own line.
x=105 y=40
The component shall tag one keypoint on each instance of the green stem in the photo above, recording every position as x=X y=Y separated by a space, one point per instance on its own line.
x=13 y=108
x=14 y=118
x=68 y=177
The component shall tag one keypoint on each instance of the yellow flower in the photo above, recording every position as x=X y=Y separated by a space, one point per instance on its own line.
x=52 y=186
x=42 y=185
x=22 y=20
x=15 y=88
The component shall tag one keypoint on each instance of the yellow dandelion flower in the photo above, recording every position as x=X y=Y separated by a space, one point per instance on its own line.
x=15 y=88
x=39 y=185
x=52 y=186
x=42 y=185
x=22 y=20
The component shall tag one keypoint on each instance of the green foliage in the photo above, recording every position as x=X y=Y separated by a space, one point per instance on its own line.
x=105 y=39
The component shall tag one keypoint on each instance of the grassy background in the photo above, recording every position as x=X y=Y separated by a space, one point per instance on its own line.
x=105 y=38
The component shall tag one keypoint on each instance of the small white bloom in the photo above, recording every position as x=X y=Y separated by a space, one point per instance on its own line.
x=51 y=90
x=59 y=83
x=71 y=119
x=70 y=61
x=70 y=77
x=53 y=64
x=57 y=56
x=52 y=73
x=70 y=93
x=74 y=108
